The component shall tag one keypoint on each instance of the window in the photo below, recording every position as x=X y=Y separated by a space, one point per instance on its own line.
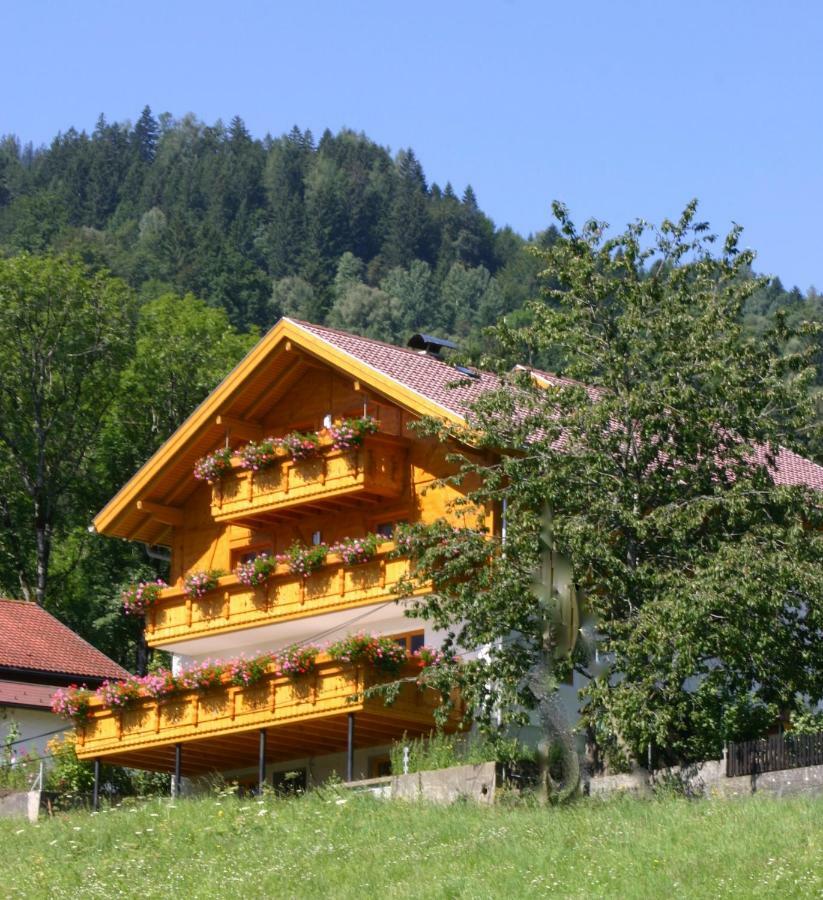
x=386 y=529
x=317 y=538
x=412 y=641
x=249 y=554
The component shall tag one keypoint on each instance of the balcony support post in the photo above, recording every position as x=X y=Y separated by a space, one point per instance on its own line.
x=350 y=750
x=261 y=761
x=178 y=765
x=95 y=797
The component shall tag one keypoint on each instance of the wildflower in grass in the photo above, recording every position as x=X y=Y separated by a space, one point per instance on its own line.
x=213 y=466
x=303 y=560
x=350 y=432
x=198 y=584
x=256 y=571
x=137 y=598
x=357 y=550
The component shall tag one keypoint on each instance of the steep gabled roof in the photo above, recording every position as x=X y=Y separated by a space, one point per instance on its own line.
x=416 y=381
x=31 y=639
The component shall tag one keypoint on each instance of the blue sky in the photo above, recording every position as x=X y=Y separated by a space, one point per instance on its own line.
x=620 y=109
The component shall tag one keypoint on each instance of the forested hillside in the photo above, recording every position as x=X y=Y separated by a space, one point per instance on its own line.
x=198 y=237
x=337 y=230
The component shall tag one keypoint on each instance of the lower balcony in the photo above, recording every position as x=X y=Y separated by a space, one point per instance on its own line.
x=284 y=596
x=219 y=730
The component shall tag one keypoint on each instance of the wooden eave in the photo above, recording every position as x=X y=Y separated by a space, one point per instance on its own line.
x=166 y=480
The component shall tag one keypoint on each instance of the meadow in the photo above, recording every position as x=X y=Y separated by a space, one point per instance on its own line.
x=333 y=844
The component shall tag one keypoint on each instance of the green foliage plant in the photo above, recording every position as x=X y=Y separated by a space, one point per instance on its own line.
x=655 y=452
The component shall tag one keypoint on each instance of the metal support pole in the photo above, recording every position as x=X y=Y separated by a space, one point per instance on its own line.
x=261 y=761
x=178 y=765
x=350 y=750
x=95 y=797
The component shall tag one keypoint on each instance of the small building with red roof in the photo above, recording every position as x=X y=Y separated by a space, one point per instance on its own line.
x=38 y=655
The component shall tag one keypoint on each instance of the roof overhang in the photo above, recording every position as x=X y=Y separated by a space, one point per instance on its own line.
x=147 y=505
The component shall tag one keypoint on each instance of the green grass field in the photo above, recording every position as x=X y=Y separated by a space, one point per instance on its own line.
x=327 y=845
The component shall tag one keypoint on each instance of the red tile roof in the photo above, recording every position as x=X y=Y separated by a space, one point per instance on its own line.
x=31 y=638
x=434 y=379
x=426 y=375
x=19 y=693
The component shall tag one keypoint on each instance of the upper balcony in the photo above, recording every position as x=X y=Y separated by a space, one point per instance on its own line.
x=366 y=474
x=232 y=605
x=218 y=728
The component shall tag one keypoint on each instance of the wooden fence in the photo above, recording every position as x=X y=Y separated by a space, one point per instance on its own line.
x=780 y=751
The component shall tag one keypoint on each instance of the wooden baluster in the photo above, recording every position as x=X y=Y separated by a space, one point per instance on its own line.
x=233 y=704
x=342 y=577
x=157 y=717
x=382 y=573
x=226 y=605
x=273 y=694
x=188 y=612
x=120 y=726
x=195 y=712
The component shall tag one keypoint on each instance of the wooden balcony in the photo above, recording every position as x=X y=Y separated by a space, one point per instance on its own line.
x=284 y=596
x=218 y=728
x=327 y=481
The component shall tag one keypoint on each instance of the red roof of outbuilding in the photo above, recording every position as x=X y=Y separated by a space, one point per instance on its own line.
x=31 y=638
x=20 y=693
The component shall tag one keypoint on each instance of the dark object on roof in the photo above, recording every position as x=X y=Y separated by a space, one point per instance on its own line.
x=430 y=344
x=467 y=370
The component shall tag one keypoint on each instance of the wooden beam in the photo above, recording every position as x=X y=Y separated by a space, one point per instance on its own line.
x=168 y=515
x=245 y=429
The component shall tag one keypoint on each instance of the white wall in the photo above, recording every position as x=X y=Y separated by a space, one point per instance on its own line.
x=32 y=723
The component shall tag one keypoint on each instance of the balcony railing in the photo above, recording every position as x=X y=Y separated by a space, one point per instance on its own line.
x=217 y=725
x=375 y=470
x=284 y=596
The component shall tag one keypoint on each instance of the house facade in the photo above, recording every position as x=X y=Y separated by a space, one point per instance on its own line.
x=39 y=655
x=304 y=380
x=302 y=384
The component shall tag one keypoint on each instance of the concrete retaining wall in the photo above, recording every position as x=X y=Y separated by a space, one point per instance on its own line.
x=447 y=785
x=709 y=779
x=20 y=804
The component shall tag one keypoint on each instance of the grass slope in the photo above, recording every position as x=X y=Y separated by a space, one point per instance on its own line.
x=327 y=845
